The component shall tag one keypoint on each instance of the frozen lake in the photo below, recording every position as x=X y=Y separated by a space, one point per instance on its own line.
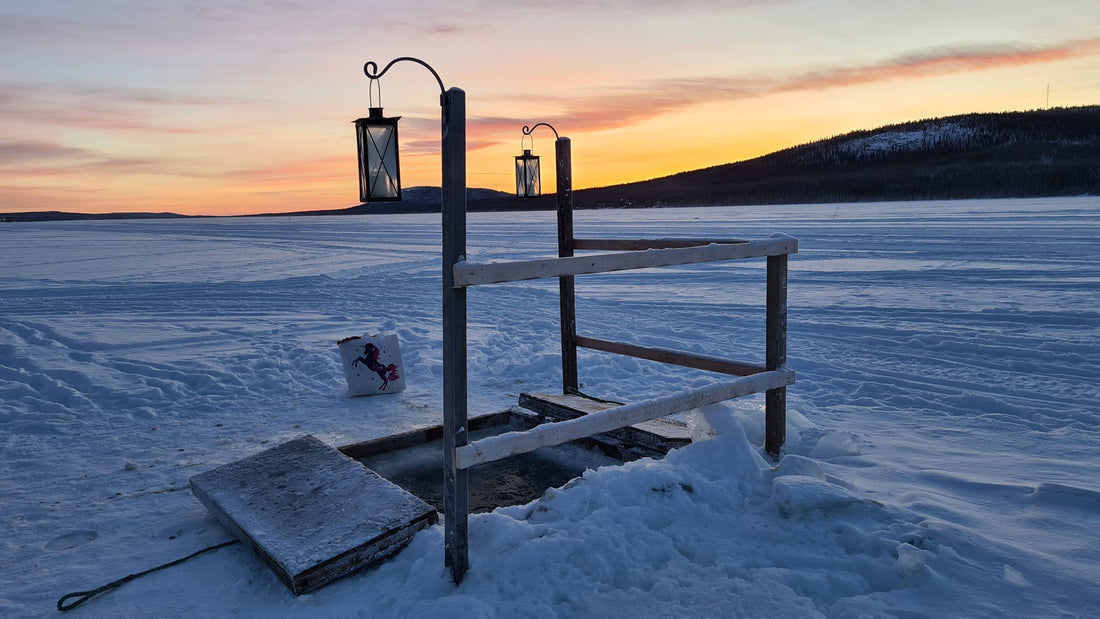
x=943 y=430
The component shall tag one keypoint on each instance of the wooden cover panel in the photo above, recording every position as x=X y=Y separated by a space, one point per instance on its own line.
x=311 y=513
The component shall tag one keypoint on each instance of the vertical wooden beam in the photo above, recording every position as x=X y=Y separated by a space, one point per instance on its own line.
x=566 y=286
x=455 y=480
x=775 y=400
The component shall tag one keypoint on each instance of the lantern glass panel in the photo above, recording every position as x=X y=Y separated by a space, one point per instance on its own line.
x=379 y=172
x=528 y=183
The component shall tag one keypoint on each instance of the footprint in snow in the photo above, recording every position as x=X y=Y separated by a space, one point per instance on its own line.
x=71 y=540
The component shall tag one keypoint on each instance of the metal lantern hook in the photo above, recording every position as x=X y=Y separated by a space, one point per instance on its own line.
x=529 y=130
x=370 y=69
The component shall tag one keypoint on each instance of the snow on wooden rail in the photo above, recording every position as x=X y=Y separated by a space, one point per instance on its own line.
x=512 y=443
x=474 y=274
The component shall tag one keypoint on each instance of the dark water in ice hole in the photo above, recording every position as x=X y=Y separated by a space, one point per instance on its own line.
x=512 y=481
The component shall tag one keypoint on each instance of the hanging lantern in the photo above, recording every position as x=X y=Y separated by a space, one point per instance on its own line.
x=379 y=172
x=528 y=184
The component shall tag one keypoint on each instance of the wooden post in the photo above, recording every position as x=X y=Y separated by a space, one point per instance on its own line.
x=566 y=285
x=455 y=480
x=775 y=400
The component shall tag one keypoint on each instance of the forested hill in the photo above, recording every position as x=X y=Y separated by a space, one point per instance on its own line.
x=1053 y=152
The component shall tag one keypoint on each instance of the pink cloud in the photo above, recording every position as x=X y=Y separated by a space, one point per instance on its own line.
x=110 y=109
x=633 y=103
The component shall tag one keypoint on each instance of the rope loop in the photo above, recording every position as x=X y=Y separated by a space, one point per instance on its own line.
x=375 y=85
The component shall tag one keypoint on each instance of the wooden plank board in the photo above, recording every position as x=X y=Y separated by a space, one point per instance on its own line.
x=311 y=513
x=475 y=274
x=511 y=443
x=674 y=357
x=654 y=437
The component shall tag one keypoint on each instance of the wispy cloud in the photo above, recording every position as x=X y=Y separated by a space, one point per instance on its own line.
x=618 y=6
x=120 y=108
x=640 y=101
x=30 y=158
x=24 y=152
x=942 y=61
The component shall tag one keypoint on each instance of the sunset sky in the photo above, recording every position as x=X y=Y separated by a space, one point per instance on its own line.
x=230 y=107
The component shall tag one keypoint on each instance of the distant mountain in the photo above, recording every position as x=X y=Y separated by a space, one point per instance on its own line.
x=66 y=216
x=418 y=199
x=427 y=200
x=1054 y=152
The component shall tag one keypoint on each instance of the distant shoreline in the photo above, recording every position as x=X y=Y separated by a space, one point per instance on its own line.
x=46 y=216
x=1045 y=153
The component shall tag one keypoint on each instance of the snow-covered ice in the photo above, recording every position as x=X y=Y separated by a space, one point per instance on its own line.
x=942 y=435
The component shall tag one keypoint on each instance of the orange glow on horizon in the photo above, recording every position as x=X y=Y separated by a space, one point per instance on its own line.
x=128 y=128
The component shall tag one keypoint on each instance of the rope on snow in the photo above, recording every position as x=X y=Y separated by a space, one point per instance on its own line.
x=84 y=596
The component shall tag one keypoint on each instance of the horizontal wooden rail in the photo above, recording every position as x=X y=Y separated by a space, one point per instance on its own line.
x=475 y=274
x=642 y=244
x=674 y=357
x=512 y=443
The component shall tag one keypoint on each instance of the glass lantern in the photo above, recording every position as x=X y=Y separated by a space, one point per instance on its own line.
x=379 y=172
x=528 y=184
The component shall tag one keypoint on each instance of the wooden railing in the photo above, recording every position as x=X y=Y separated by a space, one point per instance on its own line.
x=754 y=378
x=772 y=377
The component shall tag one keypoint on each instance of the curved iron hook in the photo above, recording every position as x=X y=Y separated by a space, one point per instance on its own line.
x=371 y=70
x=527 y=130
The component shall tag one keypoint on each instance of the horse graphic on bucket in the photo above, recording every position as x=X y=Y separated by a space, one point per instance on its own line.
x=370 y=359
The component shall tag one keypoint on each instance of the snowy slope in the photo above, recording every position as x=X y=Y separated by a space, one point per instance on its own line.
x=941 y=458
x=897 y=140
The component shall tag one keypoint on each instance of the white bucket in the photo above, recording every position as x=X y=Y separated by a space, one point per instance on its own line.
x=372 y=364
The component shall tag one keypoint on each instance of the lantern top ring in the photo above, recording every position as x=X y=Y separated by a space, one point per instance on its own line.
x=371 y=70
x=528 y=130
